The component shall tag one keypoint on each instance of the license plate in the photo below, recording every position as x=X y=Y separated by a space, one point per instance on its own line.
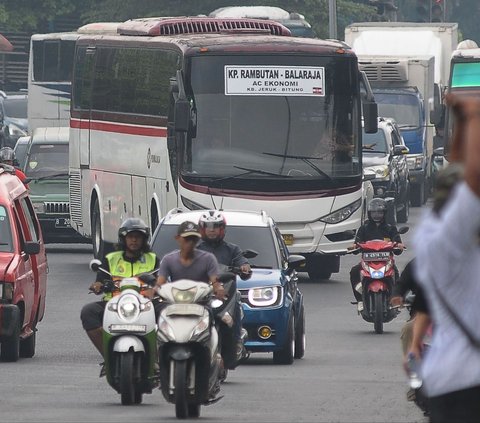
x=380 y=255
x=128 y=328
x=288 y=239
x=62 y=222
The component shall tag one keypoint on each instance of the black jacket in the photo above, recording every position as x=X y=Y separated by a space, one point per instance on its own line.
x=370 y=231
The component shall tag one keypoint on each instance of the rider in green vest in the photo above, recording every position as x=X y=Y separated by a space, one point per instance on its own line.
x=132 y=258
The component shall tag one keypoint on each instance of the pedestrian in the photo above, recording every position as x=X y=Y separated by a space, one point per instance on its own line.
x=448 y=267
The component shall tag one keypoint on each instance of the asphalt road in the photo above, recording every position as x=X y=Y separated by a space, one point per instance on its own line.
x=349 y=373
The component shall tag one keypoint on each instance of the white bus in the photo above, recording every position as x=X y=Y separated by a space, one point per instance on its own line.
x=219 y=113
x=50 y=74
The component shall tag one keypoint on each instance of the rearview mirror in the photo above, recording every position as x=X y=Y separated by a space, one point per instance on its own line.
x=296 y=261
x=403 y=230
x=95 y=264
x=248 y=254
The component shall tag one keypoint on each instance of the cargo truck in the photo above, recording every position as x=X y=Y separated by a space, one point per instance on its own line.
x=408 y=67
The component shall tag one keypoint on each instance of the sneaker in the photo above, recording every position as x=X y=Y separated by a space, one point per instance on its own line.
x=360 y=306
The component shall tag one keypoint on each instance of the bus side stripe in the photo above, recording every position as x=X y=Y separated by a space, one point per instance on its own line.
x=118 y=128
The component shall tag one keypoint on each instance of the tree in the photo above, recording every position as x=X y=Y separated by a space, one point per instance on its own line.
x=29 y=15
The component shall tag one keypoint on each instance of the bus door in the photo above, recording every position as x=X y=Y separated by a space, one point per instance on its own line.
x=85 y=63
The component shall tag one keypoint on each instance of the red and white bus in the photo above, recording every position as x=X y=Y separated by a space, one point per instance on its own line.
x=219 y=113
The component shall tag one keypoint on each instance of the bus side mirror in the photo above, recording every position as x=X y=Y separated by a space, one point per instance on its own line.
x=438 y=109
x=182 y=115
x=370 y=117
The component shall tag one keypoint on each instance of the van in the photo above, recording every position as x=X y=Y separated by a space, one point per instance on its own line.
x=46 y=168
x=23 y=269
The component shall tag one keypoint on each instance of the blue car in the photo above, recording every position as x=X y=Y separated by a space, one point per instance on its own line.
x=274 y=313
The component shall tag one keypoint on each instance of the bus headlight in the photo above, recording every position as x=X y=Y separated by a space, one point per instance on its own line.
x=343 y=214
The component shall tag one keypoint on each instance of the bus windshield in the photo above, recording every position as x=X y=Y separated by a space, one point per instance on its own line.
x=304 y=140
x=404 y=108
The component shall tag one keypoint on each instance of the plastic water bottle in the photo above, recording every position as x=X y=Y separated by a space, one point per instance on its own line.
x=412 y=366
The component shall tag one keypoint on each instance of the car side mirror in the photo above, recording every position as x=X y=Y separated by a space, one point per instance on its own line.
x=296 y=262
x=439 y=152
x=400 y=150
x=31 y=247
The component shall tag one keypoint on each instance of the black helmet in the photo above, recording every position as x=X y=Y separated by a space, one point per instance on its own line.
x=376 y=210
x=7 y=154
x=133 y=224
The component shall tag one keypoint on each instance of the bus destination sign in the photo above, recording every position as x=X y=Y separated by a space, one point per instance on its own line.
x=275 y=80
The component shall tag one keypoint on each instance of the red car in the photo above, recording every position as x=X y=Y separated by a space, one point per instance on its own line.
x=23 y=269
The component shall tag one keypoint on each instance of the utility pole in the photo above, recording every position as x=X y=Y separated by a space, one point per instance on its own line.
x=332 y=19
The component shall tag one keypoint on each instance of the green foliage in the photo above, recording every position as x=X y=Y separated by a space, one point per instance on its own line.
x=28 y=15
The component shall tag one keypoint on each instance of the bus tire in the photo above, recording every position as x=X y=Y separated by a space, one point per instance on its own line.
x=97 y=238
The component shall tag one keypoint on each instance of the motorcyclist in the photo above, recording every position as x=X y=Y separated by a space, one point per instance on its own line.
x=212 y=228
x=7 y=156
x=374 y=228
x=132 y=258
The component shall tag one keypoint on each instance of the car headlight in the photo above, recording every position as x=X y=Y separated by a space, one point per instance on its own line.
x=16 y=131
x=6 y=291
x=382 y=171
x=415 y=162
x=264 y=297
x=39 y=208
x=343 y=214
x=185 y=295
x=128 y=307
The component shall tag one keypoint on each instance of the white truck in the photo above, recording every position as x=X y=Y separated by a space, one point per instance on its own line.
x=408 y=66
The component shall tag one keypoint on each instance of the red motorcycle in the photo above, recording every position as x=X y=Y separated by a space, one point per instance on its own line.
x=377 y=276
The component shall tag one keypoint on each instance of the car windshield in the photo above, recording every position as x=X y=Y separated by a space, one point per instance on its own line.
x=6 y=244
x=259 y=239
x=47 y=160
x=374 y=143
x=16 y=107
x=404 y=108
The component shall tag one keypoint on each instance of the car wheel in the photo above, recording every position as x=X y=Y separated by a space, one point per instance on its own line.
x=287 y=353
x=10 y=350
x=300 y=337
x=100 y=247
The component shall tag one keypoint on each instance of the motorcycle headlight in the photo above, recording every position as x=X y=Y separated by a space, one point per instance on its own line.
x=128 y=307
x=343 y=214
x=184 y=296
x=264 y=297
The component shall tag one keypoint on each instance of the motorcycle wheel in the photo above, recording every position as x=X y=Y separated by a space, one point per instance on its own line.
x=193 y=410
x=127 y=385
x=181 y=403
x=378 y=322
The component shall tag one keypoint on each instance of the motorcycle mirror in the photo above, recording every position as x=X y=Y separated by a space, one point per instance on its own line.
x=248 y=254
x=403 y=230
x=95 y=265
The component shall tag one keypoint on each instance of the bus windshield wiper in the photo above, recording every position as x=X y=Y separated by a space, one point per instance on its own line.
x=261 y=172
x=305 y=159
x=41 y=178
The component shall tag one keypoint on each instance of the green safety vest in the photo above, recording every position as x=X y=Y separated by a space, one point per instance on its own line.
x=124 y=269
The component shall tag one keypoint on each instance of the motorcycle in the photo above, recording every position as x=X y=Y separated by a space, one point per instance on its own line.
x=189 y=347
x=377 y=276
x=129 y=341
